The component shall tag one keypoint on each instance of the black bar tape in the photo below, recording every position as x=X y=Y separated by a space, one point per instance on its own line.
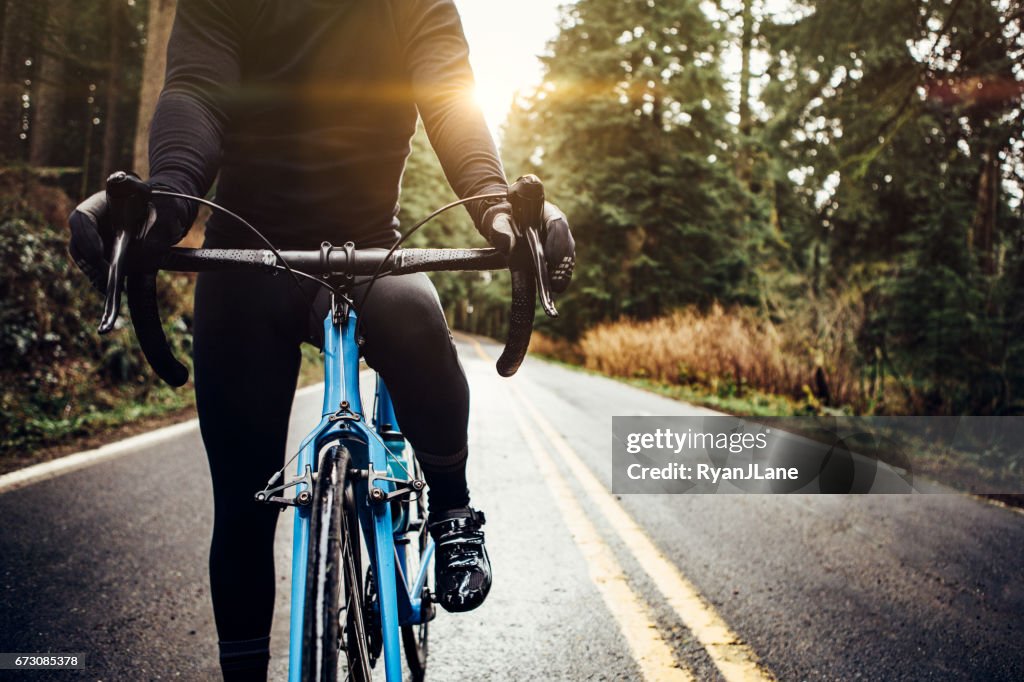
x=141 y=289
x=520 y=324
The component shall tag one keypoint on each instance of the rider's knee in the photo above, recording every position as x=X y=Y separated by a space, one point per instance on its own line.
x=411 y=321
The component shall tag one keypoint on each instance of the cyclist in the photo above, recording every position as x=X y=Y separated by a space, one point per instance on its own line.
x=305 y=108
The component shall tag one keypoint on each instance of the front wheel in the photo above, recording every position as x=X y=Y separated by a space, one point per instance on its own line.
x=334 y=633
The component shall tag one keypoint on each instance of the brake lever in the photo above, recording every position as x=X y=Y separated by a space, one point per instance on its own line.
x=527 y=197
x=115 y=281
x=540 y=271
x=129 y=203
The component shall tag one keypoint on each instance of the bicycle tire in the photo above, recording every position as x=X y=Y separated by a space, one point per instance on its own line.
x=333 y=589
x=415 y=637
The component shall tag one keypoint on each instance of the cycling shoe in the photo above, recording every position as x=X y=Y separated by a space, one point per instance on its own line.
x=462 y=569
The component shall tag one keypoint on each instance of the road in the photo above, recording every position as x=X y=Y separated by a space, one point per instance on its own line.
x=110 y=560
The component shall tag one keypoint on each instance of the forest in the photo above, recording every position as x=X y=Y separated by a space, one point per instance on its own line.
x=816 y=203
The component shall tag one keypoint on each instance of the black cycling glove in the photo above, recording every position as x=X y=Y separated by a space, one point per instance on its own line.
x=92 y=235
x=559 y=245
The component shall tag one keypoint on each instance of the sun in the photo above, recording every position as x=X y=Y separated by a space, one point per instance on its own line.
x=504 y=53
x=494 y=100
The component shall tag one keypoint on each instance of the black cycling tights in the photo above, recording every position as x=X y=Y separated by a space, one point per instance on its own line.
x=248 y=329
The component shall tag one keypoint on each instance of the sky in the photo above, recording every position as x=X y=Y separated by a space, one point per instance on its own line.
x=504 y=41
x=506 y=37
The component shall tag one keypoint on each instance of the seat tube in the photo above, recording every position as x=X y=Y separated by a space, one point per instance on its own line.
x=385 y=419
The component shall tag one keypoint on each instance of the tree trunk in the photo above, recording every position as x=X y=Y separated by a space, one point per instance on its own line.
x=112 y=133
x=49 y=86
x=746 y=124
x=986 y=211
x=18 y=16
x=161 y=19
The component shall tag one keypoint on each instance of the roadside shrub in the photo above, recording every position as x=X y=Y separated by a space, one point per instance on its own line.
x=58 y=378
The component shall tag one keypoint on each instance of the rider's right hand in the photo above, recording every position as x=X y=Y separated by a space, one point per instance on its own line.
x=559 y=244
x=92 y=235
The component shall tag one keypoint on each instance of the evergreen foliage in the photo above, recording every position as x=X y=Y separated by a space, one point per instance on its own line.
x=850 y=172
x=629 y=130
x=867 y=193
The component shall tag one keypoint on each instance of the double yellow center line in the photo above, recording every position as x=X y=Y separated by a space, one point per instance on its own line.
x=651 y=653
x=734 y=659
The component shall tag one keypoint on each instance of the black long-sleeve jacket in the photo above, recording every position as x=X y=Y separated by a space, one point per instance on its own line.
x=306 y=109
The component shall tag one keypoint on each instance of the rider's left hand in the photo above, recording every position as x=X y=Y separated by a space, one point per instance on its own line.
x=559 y=245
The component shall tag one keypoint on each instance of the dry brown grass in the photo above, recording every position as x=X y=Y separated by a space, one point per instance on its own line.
x=691 y=347
x=811 y=356
x=558 y=349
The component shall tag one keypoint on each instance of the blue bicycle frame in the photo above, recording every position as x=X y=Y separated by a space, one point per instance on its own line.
x=376 y=448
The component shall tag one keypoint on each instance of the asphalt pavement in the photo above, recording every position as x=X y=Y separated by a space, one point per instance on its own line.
x=109 y=560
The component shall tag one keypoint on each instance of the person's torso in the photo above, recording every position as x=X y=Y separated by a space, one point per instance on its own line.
x=318 y=130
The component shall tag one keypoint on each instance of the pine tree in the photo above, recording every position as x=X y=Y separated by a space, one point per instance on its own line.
x=19 y=30
x=897 y=123
x=49 y=88
x=628 y=128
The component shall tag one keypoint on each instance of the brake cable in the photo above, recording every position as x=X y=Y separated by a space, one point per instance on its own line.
x=377 y=274
x=283 y=263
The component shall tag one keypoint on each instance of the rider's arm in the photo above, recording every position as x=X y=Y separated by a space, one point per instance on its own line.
x=437 y=58
x=188 y=126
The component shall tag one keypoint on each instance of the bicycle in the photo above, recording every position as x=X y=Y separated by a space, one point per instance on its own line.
x=356 y=484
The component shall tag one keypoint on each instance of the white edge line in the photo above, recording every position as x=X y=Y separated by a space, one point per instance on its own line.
x=80 y=460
